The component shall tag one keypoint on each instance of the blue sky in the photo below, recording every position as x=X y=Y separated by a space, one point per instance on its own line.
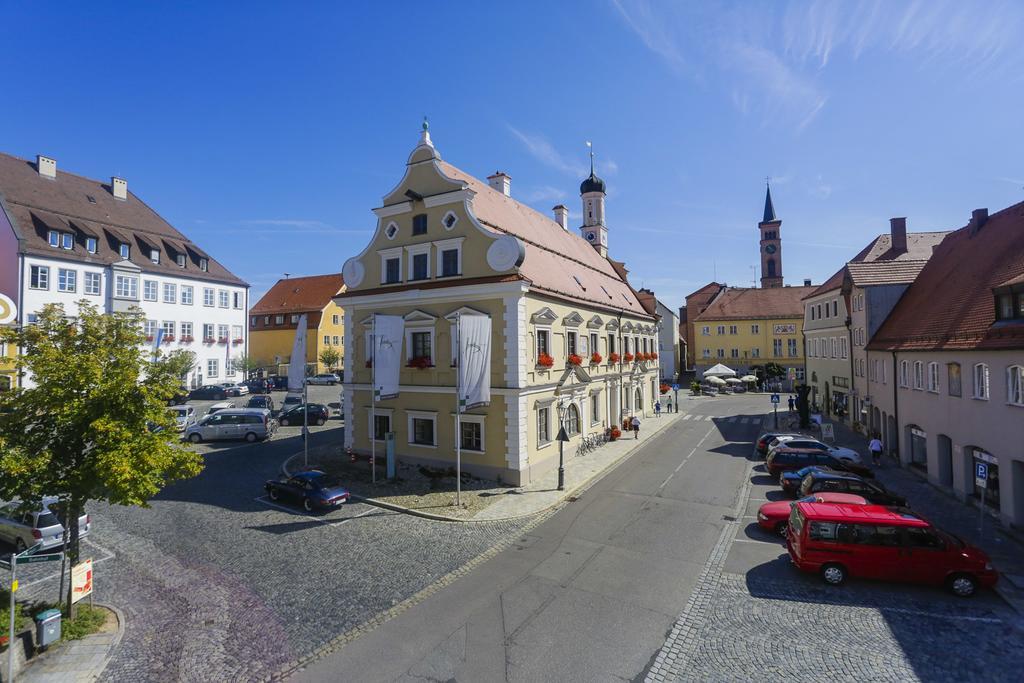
x=267 y=131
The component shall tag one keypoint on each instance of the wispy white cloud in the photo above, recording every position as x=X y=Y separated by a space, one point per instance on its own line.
x=545 y=193
x=656 y=34
x=819 y=188
x=541 y=149
x=1019 y=182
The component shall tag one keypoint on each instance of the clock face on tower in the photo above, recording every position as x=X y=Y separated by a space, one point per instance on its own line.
x=591 y=237
x=770 y=249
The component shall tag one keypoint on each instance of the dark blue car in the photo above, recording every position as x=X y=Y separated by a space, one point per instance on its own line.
x=314 y=490
x=790 y=481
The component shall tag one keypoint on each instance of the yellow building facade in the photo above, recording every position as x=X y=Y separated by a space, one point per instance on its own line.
x=450 y=245
x=274 y=319
x=8 y=352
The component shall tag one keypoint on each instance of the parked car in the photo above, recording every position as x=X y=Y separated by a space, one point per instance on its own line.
x=761 y=445
x=318 y=414
x=235 y=389
x=261 y=401
x=807 y=442
x=257 y=386
x=216 y=407
x=278 y=383
x=208 y=392
x=324 y=378
x=874 y=542
x=842 y=482
x=184 y=416
x=291 y=400
x=250 y=424
x=784 y=459
x=774 y=515
x=312 y=489
x=180 y=396
x=790 y=481
x=25 y=529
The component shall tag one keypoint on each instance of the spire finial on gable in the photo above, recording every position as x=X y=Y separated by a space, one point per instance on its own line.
x=425 y=135
x=769 y=208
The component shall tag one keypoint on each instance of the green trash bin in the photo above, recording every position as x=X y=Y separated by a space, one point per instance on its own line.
x=48 y=627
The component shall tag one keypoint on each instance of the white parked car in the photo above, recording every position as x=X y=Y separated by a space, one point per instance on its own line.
x=790 y=441
x=184 y=416
x=25 y=529
x=324 y=378
x=234 y=388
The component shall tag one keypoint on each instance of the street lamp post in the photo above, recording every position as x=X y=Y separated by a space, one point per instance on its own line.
x=561 y=444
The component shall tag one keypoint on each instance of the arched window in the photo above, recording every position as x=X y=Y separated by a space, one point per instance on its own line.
x=981 y=381
x=639 y=400
x=1015 y=385
x=918 y=374
x=771 y=267
x=904 y=373
x=572 y=420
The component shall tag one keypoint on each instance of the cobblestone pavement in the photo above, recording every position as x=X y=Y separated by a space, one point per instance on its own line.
x=751 y=615
x=218 y=584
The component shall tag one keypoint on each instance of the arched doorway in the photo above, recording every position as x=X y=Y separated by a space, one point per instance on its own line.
x=944 y=462
x=917 y=443
x=876 y=421
x=890 y=437
x=639 y=401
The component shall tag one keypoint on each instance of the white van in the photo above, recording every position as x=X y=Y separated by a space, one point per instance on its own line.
x=250 y=424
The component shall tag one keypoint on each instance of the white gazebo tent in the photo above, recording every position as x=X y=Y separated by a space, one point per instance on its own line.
x=719 y=371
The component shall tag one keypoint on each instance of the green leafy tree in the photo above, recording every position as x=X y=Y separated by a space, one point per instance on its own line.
x=246 y=364
x=180 y=363
x=773 y=370
x=93 y=426
x=330 y=358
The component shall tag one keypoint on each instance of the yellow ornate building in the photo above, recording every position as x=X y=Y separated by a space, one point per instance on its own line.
x=274 y=318
x=8 y=352
x=447 y=244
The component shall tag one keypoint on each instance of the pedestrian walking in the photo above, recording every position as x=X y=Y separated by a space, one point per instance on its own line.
x=635 y=424
x=669 y=405
x=792 y=404
x=876 y=450
x=657 y=408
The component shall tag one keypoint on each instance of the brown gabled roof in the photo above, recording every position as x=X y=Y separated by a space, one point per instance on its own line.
x=884 y=272
x=834 y=282
x=951 y=304
x=86 y=207
x=558 y=262
x=919 y=247
x=737 y=303
x=300 y=294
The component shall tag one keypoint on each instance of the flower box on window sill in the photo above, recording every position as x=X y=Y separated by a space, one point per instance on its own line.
x=149 y=337
x=628 y=358
x=595 y=359
x=614 y=358
x=187 y=340
x=545 y=361
x=239 y=340
x=420 y=363
x=168 y=337
x=209 y=340
x=573 y=359
x=652 y=356
x=222 y=340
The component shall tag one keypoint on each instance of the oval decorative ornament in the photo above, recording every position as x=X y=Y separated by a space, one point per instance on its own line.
x=8 y=311
x=506 y=253
x=353 y=272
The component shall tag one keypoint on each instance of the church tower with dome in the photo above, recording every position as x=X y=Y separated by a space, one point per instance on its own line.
x=592 y=192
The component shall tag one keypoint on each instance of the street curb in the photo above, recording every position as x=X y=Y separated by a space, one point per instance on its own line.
x=569 y=493
x=117 y=639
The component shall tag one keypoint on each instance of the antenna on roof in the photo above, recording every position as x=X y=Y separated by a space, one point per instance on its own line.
x=286 y=275
x=590 y=146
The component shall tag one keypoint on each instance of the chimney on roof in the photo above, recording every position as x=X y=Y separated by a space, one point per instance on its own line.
x=119 y=187
x=562 y=216
x=502 y=182
x=898 y=232
x=807 y=282
x=978 y=218
x=46 y=166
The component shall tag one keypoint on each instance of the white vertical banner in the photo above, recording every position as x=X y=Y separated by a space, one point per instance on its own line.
x=387 y=355
x=297 y=363
x=227 y=357
x=474 y=366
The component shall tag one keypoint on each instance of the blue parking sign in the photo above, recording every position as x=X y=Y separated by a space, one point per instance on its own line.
x=981 y=471
x=775 y=398
x=675 y=387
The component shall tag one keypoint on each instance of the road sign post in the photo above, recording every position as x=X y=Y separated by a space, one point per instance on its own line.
x=981 y=479
x=675 y=390
x=775 y=405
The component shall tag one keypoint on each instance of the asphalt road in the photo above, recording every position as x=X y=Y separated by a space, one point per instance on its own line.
x=591 y=593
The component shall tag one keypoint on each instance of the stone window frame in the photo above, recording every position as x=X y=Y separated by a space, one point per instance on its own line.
x=381 y=412
x=473 y=419
x=981 y=390
x=410 y=416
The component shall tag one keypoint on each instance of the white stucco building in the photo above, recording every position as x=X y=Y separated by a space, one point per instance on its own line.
x=65 y=238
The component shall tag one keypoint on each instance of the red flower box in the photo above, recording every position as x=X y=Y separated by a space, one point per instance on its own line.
x=545 y=361
x=208 y=340
x=222 y=340
x=574 y=359
x=628 y=358
x=149 y=337
x=420 y=362
x=652 y=356
x=664 y=388
x=168 y=337
x=238 y=341
x=595 y=358
x=187 y=339
x=614 y=358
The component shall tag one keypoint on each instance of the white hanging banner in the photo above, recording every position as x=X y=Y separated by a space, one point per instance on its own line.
x=474 y=361
x=297 y=363
x=387 y=355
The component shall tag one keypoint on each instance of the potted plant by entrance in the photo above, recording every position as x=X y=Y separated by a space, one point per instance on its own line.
x=614 y=433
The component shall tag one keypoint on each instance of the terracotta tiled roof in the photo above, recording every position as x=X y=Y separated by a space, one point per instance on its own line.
x=298 y=294
x=558 y=262
x=736 y=303
x=884 y=272
x=919 y=247
x=87 y=207
x=951 y=303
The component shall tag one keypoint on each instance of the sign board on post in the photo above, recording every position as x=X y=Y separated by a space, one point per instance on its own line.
x=81 y=580
x=827 y=432
x=33 y=559
x=775 y=399
x=981 y=474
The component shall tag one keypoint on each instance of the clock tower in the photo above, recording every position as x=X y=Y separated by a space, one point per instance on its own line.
x=592 y=192
x=771 y=244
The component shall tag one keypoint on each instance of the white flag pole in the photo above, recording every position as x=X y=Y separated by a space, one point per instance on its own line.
x=373 y=400
x=458 y=411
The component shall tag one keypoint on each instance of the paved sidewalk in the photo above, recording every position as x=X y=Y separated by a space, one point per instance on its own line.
x=76 y=661
x=1005 y=547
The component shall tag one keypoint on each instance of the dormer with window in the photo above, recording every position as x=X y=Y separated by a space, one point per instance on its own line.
x=91 y=245
x=154 y=255
x=125 y=250
x=204 y=265
x=1009 y=303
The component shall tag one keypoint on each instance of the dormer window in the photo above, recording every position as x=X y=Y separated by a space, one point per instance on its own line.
x=1010 y=305
x=154 y=255
x=125 y=250
x=180 y=258
x=204 y=265
x=91 y=244
x=54 y=238
x=67 y=240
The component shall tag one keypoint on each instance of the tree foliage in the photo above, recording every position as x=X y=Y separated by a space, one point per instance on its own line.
x=246 y=364
x=330 y=358
x=94 y=425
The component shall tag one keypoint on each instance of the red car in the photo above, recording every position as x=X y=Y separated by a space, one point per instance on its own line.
x=774 y=516
x=874 y=542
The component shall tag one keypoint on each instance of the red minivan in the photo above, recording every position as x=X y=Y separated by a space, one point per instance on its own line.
x=876 y=542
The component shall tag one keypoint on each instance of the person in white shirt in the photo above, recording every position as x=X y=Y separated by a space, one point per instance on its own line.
x=875 y=446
